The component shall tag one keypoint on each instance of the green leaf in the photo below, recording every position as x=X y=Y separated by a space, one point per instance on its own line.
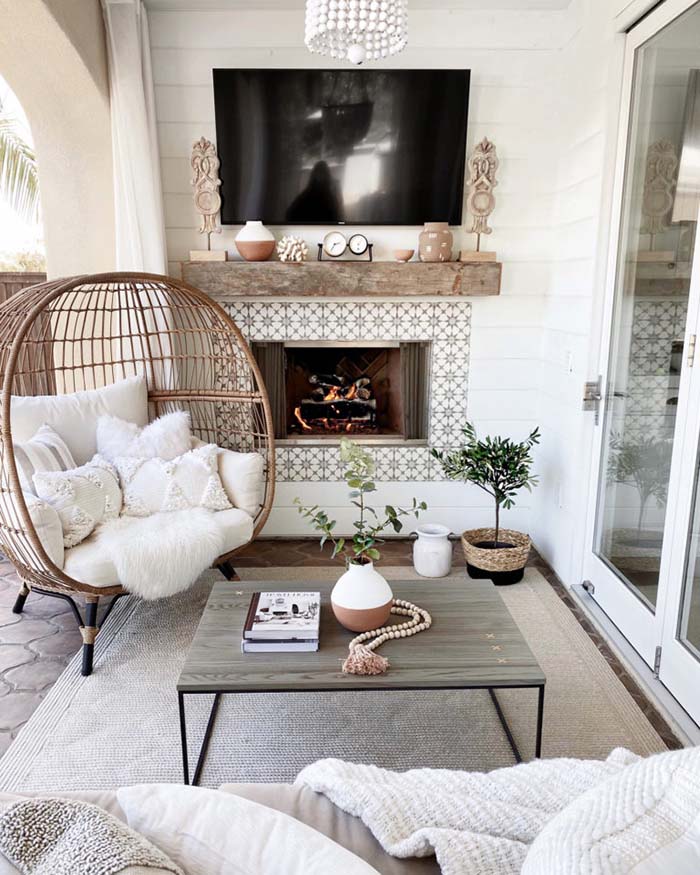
x=374 y=554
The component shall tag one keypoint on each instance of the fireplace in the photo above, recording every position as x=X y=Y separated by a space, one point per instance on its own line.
x=325 y=390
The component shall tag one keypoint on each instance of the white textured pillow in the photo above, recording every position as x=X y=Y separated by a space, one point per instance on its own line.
x=75 y=415
x=165 y=438
x=190 y=480
x=643 y=821
x=82 y=497
x=208 y=832
x=46 y=451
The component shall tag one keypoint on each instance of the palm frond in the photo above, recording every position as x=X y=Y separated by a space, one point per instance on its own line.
x=19 y=180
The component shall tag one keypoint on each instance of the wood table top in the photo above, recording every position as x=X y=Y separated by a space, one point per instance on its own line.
x=473 y=642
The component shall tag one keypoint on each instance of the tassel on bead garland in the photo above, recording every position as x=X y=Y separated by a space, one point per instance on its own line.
x=362 y=658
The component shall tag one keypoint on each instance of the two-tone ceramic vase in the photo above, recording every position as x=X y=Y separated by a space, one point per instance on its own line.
x=361 y=599
x=255 y=242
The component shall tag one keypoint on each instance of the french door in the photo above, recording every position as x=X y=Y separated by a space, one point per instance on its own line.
x=645 y=512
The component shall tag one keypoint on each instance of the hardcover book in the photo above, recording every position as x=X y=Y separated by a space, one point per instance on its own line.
x=283 y=617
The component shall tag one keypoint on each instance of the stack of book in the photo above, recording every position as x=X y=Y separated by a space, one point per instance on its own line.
x=282 y=621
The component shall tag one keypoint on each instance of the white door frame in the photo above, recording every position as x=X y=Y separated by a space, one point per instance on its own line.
x=616 y=599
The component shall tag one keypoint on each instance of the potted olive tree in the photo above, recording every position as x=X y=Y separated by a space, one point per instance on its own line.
x=501 y=467
x=361 y=599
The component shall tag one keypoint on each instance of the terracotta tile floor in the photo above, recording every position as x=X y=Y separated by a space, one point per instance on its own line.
x=36 y=646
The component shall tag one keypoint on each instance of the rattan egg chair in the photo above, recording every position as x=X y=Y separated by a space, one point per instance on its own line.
x=89 y=331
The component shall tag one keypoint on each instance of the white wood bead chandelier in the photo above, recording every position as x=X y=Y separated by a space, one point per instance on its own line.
x=358 y=30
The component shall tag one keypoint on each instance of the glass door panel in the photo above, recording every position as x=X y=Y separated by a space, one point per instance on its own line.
x=652 y=295
x=688 y=629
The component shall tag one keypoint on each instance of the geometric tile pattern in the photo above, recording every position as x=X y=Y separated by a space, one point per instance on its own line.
x=651 y=392
x=445 y=324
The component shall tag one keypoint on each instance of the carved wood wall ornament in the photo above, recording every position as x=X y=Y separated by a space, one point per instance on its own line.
x=205 y=181
x=659 y=183
x=482 y=166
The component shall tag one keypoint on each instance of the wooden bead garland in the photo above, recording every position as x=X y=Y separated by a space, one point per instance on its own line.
x=363 y=660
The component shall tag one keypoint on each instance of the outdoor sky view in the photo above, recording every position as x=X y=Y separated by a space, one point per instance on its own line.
x=21 y=243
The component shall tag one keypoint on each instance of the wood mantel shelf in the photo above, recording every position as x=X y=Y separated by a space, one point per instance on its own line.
x=238 y=279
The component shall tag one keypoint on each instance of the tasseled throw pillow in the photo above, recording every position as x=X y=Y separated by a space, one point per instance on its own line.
x=190 y=480
x=83 y=497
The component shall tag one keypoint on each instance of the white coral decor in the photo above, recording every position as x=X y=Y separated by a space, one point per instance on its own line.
x=292 y=248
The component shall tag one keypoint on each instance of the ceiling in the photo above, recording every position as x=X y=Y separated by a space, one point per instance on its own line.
x=483 y=5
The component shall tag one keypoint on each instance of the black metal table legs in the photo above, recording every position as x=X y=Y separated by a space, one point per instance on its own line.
x=201 y=756
x=205 y=741
x=506 y=727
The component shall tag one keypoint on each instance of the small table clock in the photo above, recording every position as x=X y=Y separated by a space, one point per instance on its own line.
x=335 y=244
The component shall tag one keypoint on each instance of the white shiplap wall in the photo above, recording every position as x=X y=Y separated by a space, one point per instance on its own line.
x=529 y=346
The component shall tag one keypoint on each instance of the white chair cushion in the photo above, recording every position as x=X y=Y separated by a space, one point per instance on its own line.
x=75 y=415
x=154 y=485
x=89 y=563
x=45 y=451
x=82 y=497
x=643 y=821
x=165 y=438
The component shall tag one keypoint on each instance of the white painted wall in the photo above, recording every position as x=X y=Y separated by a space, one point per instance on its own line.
x=540 y=90
x=588 y=72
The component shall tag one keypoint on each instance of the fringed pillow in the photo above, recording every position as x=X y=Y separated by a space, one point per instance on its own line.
x=83 y=497
x=190 y=480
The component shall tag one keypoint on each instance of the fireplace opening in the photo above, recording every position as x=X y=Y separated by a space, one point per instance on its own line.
x=344 y=391
x=325 y=391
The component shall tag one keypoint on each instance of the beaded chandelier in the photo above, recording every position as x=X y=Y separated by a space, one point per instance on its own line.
x=358 y=30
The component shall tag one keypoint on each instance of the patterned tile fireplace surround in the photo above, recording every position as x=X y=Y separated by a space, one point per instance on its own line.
x=446 y=325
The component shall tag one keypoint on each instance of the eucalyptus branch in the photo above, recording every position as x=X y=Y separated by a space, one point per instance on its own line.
x=363 y=546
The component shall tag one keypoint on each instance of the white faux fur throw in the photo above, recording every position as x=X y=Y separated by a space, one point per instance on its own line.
x=160 y=555
x=472 y=822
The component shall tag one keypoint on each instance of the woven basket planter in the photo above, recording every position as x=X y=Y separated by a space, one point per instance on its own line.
x=504 y=559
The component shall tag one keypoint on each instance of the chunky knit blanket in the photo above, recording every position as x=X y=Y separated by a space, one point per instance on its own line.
x=472 y=822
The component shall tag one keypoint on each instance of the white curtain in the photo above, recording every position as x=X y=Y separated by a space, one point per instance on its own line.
x=140 y=228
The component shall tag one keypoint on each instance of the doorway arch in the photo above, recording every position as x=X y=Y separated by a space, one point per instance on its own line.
x=54 y=58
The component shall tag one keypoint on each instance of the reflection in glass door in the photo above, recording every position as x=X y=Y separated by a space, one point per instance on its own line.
x=649 y=350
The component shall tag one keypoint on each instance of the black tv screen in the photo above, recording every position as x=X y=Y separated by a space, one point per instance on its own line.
x=363 y=147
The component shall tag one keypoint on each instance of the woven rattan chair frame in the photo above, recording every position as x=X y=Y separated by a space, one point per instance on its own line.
x=86 y=332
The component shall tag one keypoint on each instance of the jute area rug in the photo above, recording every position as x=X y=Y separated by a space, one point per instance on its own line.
x=120 y=726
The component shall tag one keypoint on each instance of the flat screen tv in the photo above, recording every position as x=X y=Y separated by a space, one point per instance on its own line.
x=356 y=147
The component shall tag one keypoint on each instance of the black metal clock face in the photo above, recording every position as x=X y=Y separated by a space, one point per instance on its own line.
x=358 y=244
x=334 y=244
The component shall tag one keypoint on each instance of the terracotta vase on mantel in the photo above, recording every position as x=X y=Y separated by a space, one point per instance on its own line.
x=254 y=242
x=435 y=242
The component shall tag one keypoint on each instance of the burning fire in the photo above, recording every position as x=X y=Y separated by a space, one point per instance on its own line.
x=335 y=393
x=302 y=422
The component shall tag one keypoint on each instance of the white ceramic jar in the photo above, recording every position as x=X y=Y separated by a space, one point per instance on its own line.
x=432 y=552
x=361 y=599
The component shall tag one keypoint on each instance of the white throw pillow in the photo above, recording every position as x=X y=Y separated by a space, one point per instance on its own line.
x=75 y=415
x=48 y=527
x=165 y=438
x=208 y=832
x=643 y=821
x=45 y=451
x=190 y=480
x=82 y=497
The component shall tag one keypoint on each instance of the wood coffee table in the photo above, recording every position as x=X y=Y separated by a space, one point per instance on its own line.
x=473 y=643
